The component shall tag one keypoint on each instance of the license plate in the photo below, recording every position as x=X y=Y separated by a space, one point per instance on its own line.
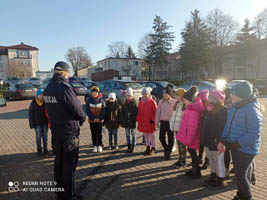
x=28 y=90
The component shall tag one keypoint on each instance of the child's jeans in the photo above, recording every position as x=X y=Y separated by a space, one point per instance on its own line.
x=41 y=134
x=113 y=132
x=130 y=132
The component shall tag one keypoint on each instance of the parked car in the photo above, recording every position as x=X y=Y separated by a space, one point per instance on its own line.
x=45 y=83
x=79 y=89
x=157 y=87
x=261 y=85
x=73 y=80
x=202 y=85
x=233 y=82
x=36 y=82
x=12 y=80
x=119 y=87
x=87 y=83
x=2 y=102
x=20 y=91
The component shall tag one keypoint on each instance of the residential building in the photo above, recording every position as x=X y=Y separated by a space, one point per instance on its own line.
x=126 y=66
x=18 y=60
x=45 y=74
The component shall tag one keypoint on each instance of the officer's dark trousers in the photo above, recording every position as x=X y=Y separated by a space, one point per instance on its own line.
x=96 y=130
x=53 y=143
x=65 y=165
x=165 y=129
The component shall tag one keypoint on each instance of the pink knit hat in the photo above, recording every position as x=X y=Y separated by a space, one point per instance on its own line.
x=218 y=95
x=203 y=95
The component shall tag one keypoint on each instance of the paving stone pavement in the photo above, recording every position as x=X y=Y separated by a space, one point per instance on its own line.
x=113 y=174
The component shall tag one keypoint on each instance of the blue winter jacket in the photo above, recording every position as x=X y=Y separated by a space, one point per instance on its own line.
x=243 y=125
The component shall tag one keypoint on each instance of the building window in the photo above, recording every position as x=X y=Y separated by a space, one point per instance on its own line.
x=22 y=53
x=20 y=62
x=135 y=63
x=115 y=63
x=240 y=70
x=27 y=62
x=1 y=67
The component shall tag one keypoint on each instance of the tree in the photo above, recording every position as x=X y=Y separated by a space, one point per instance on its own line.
x=117 y=49
x=260 y=24
x=78 y=58
x=223 y=30
x=161 y=43
x=246 y=46
x=195 y=49
x=130 y=53
x=143 y=45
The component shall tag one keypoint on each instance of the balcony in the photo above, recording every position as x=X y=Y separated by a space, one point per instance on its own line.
x=23 y=57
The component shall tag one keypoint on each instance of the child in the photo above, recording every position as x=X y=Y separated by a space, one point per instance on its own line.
x=242 y=134
x=189 y=131
x=112 y=119
x=175 y=124
x=146 y=119
x=95 y=110
x=213 y=124
x=163 y=116
x=129 y=112
x=203 y=95
x=39 y=122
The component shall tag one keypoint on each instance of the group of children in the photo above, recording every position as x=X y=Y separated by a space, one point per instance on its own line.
x=215 y=121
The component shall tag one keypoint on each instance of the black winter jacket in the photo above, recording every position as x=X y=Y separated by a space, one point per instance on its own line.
x=112 y=117
x=129 y=113
x=64 y=109
x=212 y=128
x=36 y=115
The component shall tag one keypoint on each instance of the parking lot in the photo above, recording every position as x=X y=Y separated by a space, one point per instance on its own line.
x=105 y=176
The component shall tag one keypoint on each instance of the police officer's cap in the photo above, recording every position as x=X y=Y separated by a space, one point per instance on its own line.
x=61 y=66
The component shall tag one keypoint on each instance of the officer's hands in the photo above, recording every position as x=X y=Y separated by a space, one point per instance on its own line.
x=97 y=120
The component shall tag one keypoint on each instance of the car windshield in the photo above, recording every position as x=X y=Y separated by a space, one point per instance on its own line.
x=164 y=84
x=24 y=86
x=77 y=85
x=133 y=85
x=34 y=79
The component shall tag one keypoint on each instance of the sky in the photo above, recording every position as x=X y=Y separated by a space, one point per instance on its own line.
x=54 y=26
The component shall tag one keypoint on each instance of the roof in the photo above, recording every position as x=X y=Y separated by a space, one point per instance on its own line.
x=120 y=59
x=173 y=56
x=19 y=46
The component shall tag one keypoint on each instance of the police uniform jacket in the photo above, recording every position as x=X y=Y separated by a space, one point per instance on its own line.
x=64 y=109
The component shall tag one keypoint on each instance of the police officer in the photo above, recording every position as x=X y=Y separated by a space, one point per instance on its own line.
x=66 y=116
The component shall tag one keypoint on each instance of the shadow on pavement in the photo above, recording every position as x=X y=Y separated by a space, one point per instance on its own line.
x=20 y=114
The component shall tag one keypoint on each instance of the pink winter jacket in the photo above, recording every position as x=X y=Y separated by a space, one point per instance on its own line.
x=165 y=110
x=190 y=127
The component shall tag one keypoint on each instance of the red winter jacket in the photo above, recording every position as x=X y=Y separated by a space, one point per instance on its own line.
x=190 y=127
x=146 y=113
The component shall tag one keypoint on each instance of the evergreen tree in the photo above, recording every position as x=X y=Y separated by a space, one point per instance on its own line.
x=130 y=53
x=161 y=43
x=195 y=47
x=246 y=47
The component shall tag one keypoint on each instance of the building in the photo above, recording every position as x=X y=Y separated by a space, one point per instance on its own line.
x=18 y=60
x=126 y=66
x=45 y=74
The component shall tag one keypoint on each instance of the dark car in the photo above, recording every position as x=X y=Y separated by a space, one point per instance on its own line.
x=157 y=87
x=73 y=80
x=261 y=85
x=119 y=87
x=20 y=91
x=45 y=83
x=201 y=85
x=87 y=83
x=36 y=82
x=79 y=89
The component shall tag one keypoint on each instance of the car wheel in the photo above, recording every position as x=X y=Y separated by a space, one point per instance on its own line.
x=14 y=97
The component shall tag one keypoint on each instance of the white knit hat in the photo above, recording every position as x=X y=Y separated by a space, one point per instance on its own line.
x=129 y=92
x=112 y=95
x=147 y=90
